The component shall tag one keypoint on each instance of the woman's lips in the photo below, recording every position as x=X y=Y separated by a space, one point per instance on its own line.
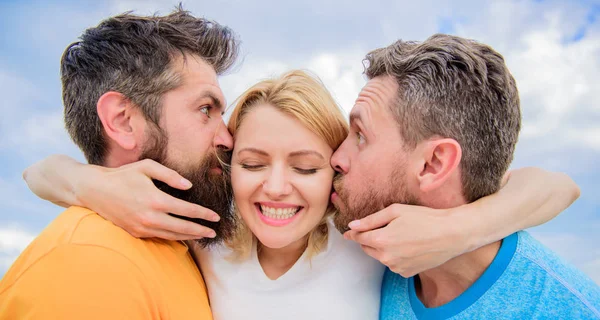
x=277 y=222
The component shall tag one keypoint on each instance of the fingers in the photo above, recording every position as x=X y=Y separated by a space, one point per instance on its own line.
x=167 y=235
x=170 y=204
x=350 y=235
x=171 y=228
x=373 y=239
x=376 y=220
x=183 y=229
x=157 y=171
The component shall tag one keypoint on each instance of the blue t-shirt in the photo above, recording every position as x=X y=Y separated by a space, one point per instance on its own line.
x=524 y=281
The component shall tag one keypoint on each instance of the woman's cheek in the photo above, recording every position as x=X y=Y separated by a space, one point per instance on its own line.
x=318 y=190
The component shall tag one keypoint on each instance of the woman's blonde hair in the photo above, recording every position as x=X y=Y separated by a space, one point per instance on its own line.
x=304 y=97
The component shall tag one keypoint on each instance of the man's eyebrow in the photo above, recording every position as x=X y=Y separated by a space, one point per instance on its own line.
x=215 y=101
x=254 y=150
x=354 y=116
x=305 y=153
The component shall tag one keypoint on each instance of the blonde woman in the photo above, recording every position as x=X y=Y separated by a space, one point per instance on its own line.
x=286 y=261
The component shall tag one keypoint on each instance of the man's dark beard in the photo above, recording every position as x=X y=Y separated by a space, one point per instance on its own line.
x=210 y=190
x=372 y=200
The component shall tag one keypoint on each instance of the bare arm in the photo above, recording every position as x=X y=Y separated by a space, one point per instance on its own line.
x=125 y=195
x=530 y=197
x=412 y=239
x=53 y=179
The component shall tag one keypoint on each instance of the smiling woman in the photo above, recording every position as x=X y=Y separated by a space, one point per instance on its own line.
x=285 y=132
x=285 y=248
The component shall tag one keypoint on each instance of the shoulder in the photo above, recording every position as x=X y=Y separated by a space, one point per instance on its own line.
x=78 y=278
x=83 y=227
x=549 y=278
x=79 y=225
x=79 y=240
x=393 y=283
x=395 y=299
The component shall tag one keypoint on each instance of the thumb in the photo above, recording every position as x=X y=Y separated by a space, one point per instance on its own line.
x=376 y=220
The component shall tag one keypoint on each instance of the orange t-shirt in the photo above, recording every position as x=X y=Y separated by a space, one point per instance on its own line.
x=84 y=267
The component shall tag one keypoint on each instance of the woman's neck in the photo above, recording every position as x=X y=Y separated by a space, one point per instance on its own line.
x=276 y=262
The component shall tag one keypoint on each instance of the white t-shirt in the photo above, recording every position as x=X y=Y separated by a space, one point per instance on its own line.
x=342 y=282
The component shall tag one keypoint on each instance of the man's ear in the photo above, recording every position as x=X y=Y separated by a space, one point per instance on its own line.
x=441 y=158
x=115 y=112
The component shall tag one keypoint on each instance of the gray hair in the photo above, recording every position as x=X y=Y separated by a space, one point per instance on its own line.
x=460 y=89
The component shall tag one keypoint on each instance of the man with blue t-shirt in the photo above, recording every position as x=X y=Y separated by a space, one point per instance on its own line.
x=441 y=119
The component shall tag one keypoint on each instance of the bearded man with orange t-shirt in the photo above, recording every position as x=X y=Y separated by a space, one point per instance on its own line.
x=134 y=88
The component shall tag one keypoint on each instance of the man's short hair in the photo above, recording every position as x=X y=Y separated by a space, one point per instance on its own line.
x=460 y=89
x=133 y=55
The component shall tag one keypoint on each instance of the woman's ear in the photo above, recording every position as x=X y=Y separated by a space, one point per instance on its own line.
x=441 y=157
x=115 y=112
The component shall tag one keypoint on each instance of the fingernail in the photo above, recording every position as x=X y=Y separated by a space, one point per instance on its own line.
x=211 y=234
x=216 y=218
x=354 y=224
x=186 y=183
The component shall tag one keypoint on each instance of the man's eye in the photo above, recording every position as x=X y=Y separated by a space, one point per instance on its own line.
x=360 y=137
x=205 y=110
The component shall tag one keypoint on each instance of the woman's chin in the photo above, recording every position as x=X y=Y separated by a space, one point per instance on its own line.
x=274 y=242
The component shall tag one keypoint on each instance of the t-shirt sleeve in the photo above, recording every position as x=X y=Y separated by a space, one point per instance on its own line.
x=80 y=282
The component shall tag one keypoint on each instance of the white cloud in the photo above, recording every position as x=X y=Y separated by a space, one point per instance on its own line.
x=342 y=75
x=16 y=198
x=556 y=75
x=13 y=240
x=247 y=74
x=28 y=127
x=341 y=72
x=41 y=129
x=16 y=92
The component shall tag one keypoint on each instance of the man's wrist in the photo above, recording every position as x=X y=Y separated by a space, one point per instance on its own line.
x=465 y=223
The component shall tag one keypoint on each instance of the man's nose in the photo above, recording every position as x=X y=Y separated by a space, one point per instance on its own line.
x=223 y=139
x=339 y=160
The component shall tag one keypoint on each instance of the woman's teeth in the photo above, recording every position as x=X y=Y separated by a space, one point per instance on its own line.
x=278 y=213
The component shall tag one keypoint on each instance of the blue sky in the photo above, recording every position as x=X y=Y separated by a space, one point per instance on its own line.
x=552 y=48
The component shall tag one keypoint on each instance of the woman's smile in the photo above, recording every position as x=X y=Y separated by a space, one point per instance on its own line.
x=278 y=214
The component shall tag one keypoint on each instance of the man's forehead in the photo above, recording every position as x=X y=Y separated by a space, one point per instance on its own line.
x=201 y=77
x=195 y=70
x=383 y=86
x=377 y=93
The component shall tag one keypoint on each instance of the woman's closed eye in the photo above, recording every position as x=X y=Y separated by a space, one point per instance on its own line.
x=252 y=166
x=305 y=171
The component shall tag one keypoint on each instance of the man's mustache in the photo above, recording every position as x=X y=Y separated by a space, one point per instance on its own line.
x=337 y=181
x=220 y=158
